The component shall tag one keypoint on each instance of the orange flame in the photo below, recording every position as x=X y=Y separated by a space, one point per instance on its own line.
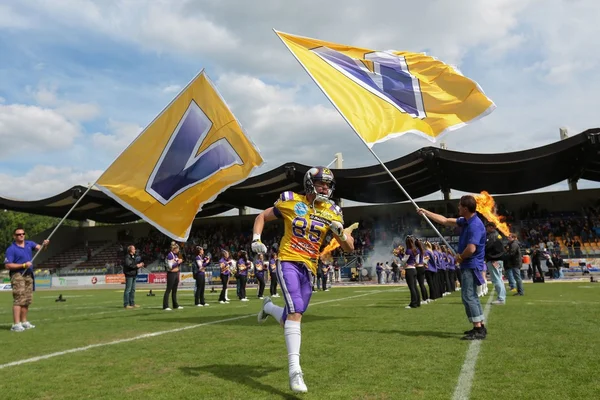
x=486 y=206
x=334 y=244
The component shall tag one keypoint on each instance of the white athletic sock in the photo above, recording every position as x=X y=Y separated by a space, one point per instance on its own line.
x=292 y=333
x=479 y=290
x=275 y=311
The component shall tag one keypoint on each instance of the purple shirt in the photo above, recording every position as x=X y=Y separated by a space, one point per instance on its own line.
x=412 y=257
x=256 y=270
x=431 y=265
x=242 y=263
x=200 y=264
x=171 y=260
x=273 y=266
x=226 y=262
x=451 y=262
x=439 y=260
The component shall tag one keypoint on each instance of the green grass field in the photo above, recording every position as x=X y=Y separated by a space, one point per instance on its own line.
x=357 y=343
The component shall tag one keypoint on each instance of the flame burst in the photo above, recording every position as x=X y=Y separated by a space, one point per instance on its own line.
x=486 y=206
x=334 y=244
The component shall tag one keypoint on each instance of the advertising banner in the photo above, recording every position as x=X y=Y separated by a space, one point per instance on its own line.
x=5 y=286
x=43 y=281
x=187 y=279
x=160 y=277
x=141 y=278
x=65 y=281
x=116 y=278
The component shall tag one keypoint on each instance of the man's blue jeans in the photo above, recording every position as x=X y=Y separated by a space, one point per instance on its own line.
x=496 y=273
x=129 y=295
x=469 y=296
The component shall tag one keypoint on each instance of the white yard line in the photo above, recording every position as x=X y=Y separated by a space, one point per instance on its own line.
x=467 y=372
x=154 y=334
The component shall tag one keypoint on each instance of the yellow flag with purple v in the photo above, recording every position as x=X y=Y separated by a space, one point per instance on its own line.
x=194 y=150
x=385 y=94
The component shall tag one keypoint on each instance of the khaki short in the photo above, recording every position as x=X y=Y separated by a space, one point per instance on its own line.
x=22 y=289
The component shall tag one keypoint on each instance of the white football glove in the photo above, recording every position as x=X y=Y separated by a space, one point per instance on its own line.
x=338 y=230
x=258 y=246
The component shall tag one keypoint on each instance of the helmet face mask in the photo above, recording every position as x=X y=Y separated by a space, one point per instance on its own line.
x=319 y=174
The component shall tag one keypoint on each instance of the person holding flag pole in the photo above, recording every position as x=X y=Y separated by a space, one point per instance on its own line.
x=386 y=94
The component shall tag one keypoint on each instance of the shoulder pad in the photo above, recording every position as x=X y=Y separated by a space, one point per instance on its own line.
x=335 y=208
x=287 y=196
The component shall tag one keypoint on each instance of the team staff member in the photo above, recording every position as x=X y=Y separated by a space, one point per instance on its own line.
x=471 y=252
x=173 y=263
x=17 y=260
x=200 y=277
x=131 y=266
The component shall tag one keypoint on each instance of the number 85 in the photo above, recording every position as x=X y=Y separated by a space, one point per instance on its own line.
x=299 y=226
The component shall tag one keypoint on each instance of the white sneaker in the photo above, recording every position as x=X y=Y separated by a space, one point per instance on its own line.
x=275 y=295
x=423 y=302
x=206 y=304
x=27 y=325
x=297 y=383
x=167 y=309
x=262 y=315
x=179 y=308
x=199 y=305
x=244 y=299
x=17 y=328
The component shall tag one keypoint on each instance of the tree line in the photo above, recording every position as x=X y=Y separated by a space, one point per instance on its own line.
x=33 y=224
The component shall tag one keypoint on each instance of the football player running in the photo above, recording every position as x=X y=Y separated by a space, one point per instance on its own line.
x=307 y=220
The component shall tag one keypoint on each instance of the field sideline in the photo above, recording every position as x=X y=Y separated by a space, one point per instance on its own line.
x=358 y=343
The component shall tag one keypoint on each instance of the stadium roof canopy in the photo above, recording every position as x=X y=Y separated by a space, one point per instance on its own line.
x=422 y=172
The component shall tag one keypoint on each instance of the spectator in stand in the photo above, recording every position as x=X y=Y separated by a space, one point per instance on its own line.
x=131 y=266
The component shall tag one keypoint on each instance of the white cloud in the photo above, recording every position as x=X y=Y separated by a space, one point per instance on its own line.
x=32 y=128
x=80 y=112
x=2 y=100
x=171 y=89
x=160 y=25
x=43 y=181
x=11 y=19
x=120 y=136
x=46 y=97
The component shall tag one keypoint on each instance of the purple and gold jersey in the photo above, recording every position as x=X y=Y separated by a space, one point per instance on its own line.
x=305 y=227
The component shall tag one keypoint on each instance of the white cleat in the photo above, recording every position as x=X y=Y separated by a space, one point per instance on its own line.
x=27 y=325
x=262 y=314
x=17 y=328
x=297 y=383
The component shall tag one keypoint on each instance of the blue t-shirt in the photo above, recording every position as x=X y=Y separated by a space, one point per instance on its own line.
x=472 y=232
x=20 y=255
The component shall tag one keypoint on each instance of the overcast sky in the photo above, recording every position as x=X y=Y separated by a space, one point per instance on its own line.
x=79 y=79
